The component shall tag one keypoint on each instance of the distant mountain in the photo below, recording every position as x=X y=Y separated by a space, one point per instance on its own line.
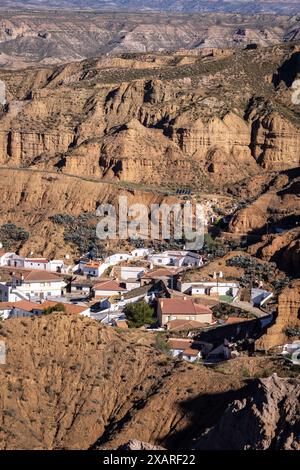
x=287 y=7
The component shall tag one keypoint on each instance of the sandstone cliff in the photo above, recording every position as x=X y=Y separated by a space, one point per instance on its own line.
x=288 y=317
x=112 y=120
x=267 y=418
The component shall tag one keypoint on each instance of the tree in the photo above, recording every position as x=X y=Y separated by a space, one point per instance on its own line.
x=139 y=314
x=56 y=308
x=213 y=247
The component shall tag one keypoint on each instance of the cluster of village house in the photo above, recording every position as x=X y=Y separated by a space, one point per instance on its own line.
x=101 y=289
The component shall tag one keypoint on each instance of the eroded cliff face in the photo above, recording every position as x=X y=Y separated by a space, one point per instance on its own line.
x=267 y=418
x=288 y=317
x=30 y=199
x=178 y=121
x=275 y=143
x=283 y=249
x=276 y=205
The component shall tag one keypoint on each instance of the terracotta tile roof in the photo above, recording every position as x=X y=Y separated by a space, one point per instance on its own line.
x=183 y=306
x=180 y=343
x=22 y=304
x=191 y=352
x=92 y=264
x=109 y=285
x=202 y=309
x=37 y=260
x=39 y=276
x=159 y=272
x=184 y=325
x=188 y=346
x=6 y=305
x=69 y=308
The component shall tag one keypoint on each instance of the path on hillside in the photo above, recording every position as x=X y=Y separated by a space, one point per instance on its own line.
x=126 y=185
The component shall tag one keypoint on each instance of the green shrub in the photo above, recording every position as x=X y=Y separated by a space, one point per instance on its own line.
x=139 y=314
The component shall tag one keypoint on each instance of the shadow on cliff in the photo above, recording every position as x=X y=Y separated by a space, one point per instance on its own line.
x=288 y=72
x=204 y=412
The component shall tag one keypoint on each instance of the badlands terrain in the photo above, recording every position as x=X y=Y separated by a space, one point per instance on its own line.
x=30 y=38
x=221 y=122
x=71 y=383
x=99 y=105
x=240 y=6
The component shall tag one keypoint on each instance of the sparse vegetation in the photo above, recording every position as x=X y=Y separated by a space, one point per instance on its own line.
x=80 y=231
x=12 y=236
x=213 y=247
x=59 y=307
x=253 y=268
x=292 y=332
x=161 y=343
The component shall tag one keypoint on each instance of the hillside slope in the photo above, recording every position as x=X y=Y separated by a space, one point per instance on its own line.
x=71 y=383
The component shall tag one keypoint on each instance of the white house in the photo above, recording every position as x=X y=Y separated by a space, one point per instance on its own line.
x=108 y=289
x=5 y=309
x=81 y=287
x=11 y=259
x=15 y=261
x=91 y=268
x=36 y=263
x=25 y=308
x=209 y=288
x=57 y=266
x=140 y=252
x=117 y=258
x=185 y=349
x=176 y=258
x=131 y=276
x=31 y=285
x=259 y=297
x=21 y=308
x=183 y=309
x=131 y=272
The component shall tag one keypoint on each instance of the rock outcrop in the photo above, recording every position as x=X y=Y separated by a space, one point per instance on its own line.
x=288 y=317
x=267 y=418
x=117 y=121
x=276 y=205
